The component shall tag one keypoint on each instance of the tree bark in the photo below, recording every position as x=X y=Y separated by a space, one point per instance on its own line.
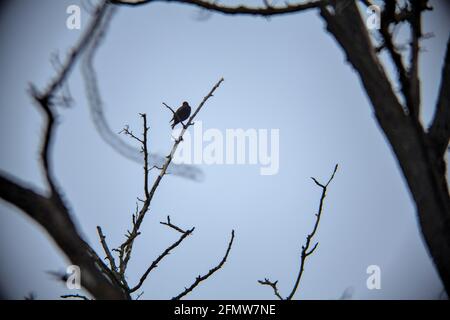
x=420 y=158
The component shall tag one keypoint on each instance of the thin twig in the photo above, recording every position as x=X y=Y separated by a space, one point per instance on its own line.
x=125 y=249
x=215 y=6
x=273 y=285
x=75 y=53
x=306 y=251
x=199 y=279
x=160 y=257
x=78 y=296
x=109 y=256
x=169 y=224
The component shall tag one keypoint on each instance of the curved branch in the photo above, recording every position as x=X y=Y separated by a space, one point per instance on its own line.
x=51 y=212
x=306 y=251
x=160 y=257
x=99 y=120
x=244 y=10
x=57 y=222
x=210 y=272
x=406 y=136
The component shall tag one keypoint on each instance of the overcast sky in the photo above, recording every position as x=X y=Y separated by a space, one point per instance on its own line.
x=284 y=73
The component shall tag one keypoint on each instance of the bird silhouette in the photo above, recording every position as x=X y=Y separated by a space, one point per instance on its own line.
x=181 y=114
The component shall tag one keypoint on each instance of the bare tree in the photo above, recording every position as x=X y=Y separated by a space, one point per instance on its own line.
x=49 y=208
x=419 y=151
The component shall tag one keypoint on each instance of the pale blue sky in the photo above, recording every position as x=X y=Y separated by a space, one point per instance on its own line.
x=284 y=72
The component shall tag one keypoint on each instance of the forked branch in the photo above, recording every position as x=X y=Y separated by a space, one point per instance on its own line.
x=199 y=279
x=307 y=250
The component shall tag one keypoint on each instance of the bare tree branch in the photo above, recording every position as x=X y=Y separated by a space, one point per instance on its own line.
x=51 y=212
x=214 y=6
x=439 y=131
x=199 y=279
x=76 y=296
x=96 y=106
x=170 y=225
x=160 y=257
x=416 y=33
x=109 y=256
x=174 y=113
x=273 y=285
x=306 y=251
x=126 y=248
x=405 y=134
x=62 y=230
x=75 y=53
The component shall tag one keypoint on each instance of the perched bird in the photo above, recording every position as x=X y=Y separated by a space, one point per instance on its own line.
x=181 y=114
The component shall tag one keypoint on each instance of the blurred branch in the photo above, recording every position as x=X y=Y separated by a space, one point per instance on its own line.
x=273 y=285
x=266 y=10
x=173 y=113
x=76 y=296
x=306 y=250
x=408 y=78
x=199 y=279
x=51 y=212
x=76 y=51
x=96 y=106
x=439 y=131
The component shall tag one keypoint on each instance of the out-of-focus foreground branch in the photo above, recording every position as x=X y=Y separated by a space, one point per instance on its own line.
x=50 y=211
x=96 y=107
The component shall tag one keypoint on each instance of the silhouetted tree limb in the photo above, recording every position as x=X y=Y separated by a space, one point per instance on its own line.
x=160 y=257
x=126 y=247
x=266 y=10
x=96 y=107
x=420 y=153
x=75 y=296
x=306 y=249
x=170 y=225
x=50 y=211
x=439 y=131
x=124 y=251
x=424 y=172
x=199 y=279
